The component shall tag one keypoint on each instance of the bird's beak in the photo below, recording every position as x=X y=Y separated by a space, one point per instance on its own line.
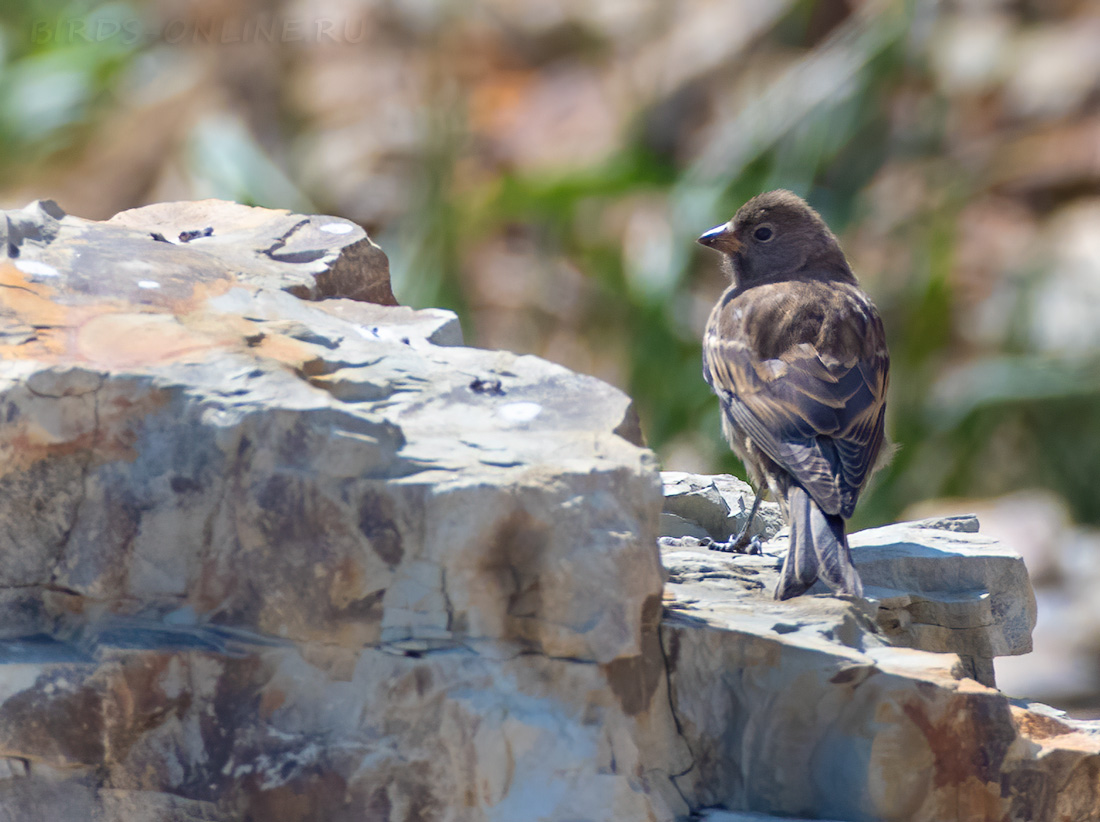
x=720 y=237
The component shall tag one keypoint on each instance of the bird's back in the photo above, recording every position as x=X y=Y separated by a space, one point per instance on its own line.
x=771 y=319
x=801 y=367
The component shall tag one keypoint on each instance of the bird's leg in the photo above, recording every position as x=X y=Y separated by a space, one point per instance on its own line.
x=742 y=539
x=742 y=543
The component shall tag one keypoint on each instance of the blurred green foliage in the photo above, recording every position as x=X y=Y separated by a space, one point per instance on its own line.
x=59 y=63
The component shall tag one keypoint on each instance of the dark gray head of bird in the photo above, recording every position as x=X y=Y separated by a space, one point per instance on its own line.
x=777 y=236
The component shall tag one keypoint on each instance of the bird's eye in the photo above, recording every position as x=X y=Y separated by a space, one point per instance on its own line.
x=763 y=234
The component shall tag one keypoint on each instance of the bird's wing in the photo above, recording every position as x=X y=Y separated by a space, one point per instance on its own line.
x=816 y=414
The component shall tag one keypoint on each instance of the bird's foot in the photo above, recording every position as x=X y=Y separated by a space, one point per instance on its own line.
x=742 y=545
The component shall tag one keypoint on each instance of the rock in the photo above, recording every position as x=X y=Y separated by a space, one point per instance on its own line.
x=274 y=557
x=806 y=708
x=291 y=557
x=743 y=816
x=964 y=523
x=316 y=257
x=961 y=592
x=717 y=504
x=936 y=584
x=159 y=254
x=1063 y=560
x=189 y=448
x=676 y=527
x=222 y=726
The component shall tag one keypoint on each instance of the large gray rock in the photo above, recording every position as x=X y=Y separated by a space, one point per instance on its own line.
x=273 y=549
x=268 y=556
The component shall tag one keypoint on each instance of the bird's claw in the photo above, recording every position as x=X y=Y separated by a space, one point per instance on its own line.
x=737 y=546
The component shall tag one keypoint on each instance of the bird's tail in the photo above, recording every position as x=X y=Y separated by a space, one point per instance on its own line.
x=819 y=548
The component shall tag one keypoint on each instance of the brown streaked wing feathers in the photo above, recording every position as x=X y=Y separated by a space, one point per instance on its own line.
x=820 y=414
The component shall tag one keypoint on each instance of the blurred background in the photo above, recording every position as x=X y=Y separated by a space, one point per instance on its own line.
x=542 y=167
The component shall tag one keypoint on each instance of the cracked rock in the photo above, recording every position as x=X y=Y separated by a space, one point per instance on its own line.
x=936 y=585
x=828 y=707
x=267 y=555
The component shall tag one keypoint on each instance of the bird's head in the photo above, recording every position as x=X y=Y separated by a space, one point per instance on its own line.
x=777 y=236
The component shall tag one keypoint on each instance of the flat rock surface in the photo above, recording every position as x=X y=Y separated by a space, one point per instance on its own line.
x=936 y=585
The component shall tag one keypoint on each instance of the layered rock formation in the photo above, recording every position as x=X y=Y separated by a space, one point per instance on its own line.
x=936 y=585
x=826 y=708
x=272 y=551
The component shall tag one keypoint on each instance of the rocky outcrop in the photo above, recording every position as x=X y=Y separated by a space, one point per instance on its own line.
x=275 y=552
x=827 y=708
x=276 y=559
x=936 y=585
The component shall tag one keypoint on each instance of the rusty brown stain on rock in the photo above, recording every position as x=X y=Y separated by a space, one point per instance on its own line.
x=25 y=298
x=119 y=340
x=135 y=702
x=969 y=737
x=635 y=679
x=271 y=700
x=115 y=333
x=310 y=797
x=193 y=298
x=1076 y=798
x=119 y=333
x=113 y=439
x=31 y=304
x=70 y=719
x=510 y=570
x=346 y=586
x=24 y=445
x=1038 y=726
x=289 y=352
x=97 y=328
x=59 y=720
x=377 y=522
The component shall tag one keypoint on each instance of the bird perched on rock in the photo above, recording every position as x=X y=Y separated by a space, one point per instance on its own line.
x=796 y=353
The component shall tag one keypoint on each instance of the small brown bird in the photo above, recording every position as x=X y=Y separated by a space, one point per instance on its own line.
x=796 y=353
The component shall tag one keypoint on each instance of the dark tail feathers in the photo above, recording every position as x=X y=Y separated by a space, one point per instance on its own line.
x=818 y=548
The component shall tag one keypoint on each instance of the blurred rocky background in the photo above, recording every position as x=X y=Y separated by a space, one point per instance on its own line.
x=543 y=167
